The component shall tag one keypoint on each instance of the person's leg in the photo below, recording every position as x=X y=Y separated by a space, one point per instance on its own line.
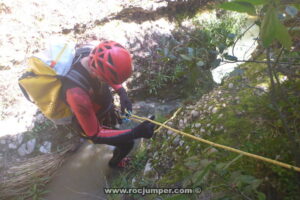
x=120 y=152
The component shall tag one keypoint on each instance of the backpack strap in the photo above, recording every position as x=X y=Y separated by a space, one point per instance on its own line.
x=25 y=93
x=25 y=75
x=81 y=53
x=78 y=79
x=75 y=76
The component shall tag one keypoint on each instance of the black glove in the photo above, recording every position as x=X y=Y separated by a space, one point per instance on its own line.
x=145 y=129
x=125 y=102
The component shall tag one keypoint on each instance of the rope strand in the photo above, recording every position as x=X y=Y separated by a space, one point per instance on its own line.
x=275 y=162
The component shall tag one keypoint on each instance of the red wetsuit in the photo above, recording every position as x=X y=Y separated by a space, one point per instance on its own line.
x=85 y=110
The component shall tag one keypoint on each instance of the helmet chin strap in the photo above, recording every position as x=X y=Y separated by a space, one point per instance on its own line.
x=85 y=63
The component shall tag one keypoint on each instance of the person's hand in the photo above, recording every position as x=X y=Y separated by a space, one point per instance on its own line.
x=144 y=129
x=111 y=118
x=124 y=100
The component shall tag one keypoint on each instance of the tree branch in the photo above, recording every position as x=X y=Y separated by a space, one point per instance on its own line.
x=256 y=61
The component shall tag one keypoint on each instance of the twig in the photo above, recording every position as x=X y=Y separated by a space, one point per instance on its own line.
x=174 y=115
x=241 y=37
x=282 y=116
x=249 y=49
x=264 y=62
x=231 y=188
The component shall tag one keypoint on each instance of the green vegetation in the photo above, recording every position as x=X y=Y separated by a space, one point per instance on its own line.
x=37 y=190
x=125 y=180
x=186 y=59
x=256 y=109
x=245 y=120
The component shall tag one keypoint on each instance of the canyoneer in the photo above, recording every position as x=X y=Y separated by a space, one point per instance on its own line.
x=86 y=96
x=108 y=64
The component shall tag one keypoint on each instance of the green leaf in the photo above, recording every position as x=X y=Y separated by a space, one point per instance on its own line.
x=200 y=63
x=216 y=63
x=229 y=57
x=186 y=57
x=255 y=2
x=190 y=52
x=178 y=197
x=222 y=47
x=267 y=32
x=232 y=161
x=238 y=6
x=198 y=177
x=166 y=51
x=261 y=196
x=297 y=6
x=282 y=35
x=272 y=29
x=171 y=56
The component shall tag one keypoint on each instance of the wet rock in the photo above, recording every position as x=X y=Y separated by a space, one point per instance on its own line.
x=170 y=132
x=12 y=145
x=27 y=148
x=211 y=151
x=46 y=147
x=15 y=141
x=198 y=125
x=40 y=118
x=2 y=141
x=170 y=123
x=181 y=123
x=181 y=142
x=176 y=140
x=190 y=107
x=148 y=168
x=22 y=150
x=195 y=113
x=214 y=110
x=155 y=154
x=1 y=161
x=185 y=120
x=133 y=181
x=19 y=138
x=30 y=126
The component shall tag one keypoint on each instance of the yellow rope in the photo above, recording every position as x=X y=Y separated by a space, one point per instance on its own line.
x=174 y=115
x=281 y=164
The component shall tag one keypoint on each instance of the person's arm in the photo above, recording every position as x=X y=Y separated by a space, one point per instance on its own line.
x=82 y=107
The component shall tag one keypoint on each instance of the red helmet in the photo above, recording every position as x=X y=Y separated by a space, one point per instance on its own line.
x=111 y=62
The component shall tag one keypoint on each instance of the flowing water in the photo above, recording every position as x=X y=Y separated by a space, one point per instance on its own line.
x=243 y=49
x=84 y=174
